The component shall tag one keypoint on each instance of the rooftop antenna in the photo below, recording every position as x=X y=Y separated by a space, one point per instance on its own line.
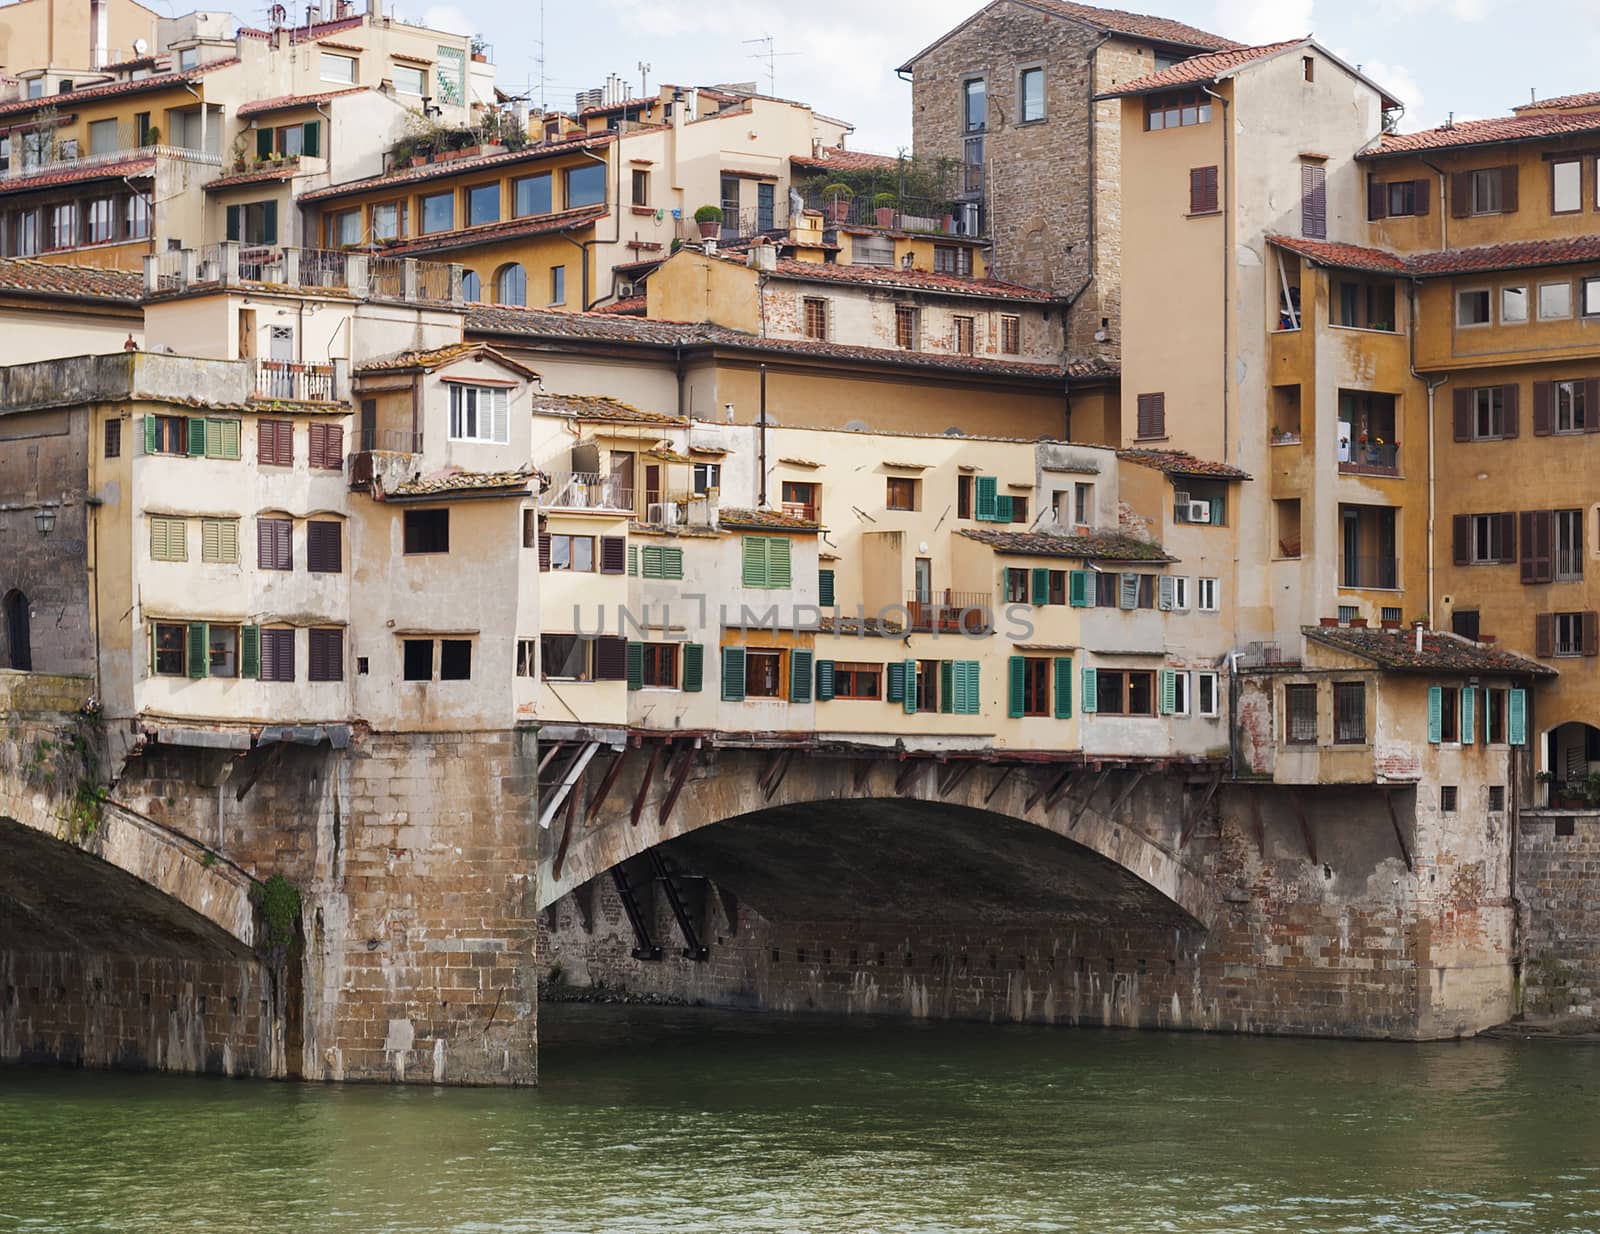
x=644 y=79
x=770 y=55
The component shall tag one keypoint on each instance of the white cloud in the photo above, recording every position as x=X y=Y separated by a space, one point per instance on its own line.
x=1461 y=10
x=1398 y=81
x=1264 y=21
x=449 y=18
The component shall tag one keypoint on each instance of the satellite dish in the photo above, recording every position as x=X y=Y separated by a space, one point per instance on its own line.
x=140 y=47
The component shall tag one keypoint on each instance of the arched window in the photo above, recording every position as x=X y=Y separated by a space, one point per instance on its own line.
x=471 y=287
x=511 y=285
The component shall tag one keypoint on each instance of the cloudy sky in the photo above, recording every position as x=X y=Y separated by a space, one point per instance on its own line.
x=840 y=55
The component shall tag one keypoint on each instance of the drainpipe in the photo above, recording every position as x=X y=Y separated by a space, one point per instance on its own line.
x=762 y=462
x=1444 y=202
x=1433 y=384
x=616 y=218
x=1227 y=258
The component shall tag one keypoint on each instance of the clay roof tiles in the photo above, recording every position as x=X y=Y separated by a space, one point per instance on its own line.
x=81 y=173
x=1524 y=126
x=270 y=173
x=767 y=520
x=912 y=280
x=1343 y=256
x=1198 y=69
x=1396 y=650
x=601 y=408
x=457 y=167
x=1517 y=255
x=844 y=160
x=113 y=89
x=1179 y=463
x=1103 y=547
x=634 y=306
x=287 y=102
x=24 y=275
x=1563 y=102
x=446 y=483
x=435 y=358
x=492 y=233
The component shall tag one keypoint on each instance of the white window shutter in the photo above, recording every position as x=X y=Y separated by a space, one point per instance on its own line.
x=502 y=415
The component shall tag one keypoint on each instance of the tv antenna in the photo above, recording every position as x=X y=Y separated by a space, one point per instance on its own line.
x=769 y=53
x=644 y=79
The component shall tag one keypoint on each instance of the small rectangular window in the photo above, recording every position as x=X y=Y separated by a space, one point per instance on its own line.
x=1206 y=594
x=965 y=334
x=1203 y=195
x=763 y=674
x=408 y=80
x=901 y=494
x=586 y=185
x=338 y=68
x=479 y=413
x=641 y=187
x=1472 y=308
x=1030 y=100
x=1152 y=418
x=326 y=655
x=659 y=666
x=277 y=655
x=1497 y=798
x=1513 y=305
x=531 y=195
x=427 y=531
x=1010 y=334
x=1487 y=188
x=1180 y=693
x=1447 y=798
x=558 y=284
x=1568 y=634
x=527 y=657
x=418 y=659
x=815 y=312
x=169 y=539
x=1300 y=715
x=1177 y=109
x=1206 y=686
x=325 y=546
x=858 y=681
x=223 y=650
x=1555 y=301
x=438 y=212
x=575 y=553
x=113 y=439
x=1349 y=712
x=1566 y=186
x=1590 y=289
x=1568 y=404
x=170 y=649
x=1450 y=714
x=905 y=327
x=1035 y=687
x=455 y=659
x=564 y=657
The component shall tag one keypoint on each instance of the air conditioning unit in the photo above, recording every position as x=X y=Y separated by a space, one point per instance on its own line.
x=1199 y=512
x=624 y=290
x=662 y=513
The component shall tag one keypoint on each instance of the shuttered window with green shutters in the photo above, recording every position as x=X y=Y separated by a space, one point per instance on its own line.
x=197 y=437
x=947 y=686
x=221 y=438
x=199 y=650
x=1517 y=718
x=1435 y=714
x=660 y=562
x=910 y=701
x=825 y=680
x=986 y=503
x=1091 y=691
x=635 y=666
x=968 y=695
x=1063 y=684
x=1040 y=585
x=219 y=540
x=694 y=667
x=733 y=674
x=825 y=588
x=895 y=682
x=249 y=651
x=1016 y=682
x=766 y=562
x=1167 y=691
x=800 y=661
x=169 y=539
x=1080 y=590
x=1468 y=716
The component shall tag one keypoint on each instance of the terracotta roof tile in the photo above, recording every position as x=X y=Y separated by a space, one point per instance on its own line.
x=445 y=483
x=1139 y=25
x=844 y=160
x=1107 y=547
x=270 y=173
x=457 y=167
x=1396 y=650
x=1198 y=69
x=438 y=357
x=24 y=275
x=600 y=408
x=910 y=280
x=1528 y=126
x=634 y=306
x=113 y=89
x=1518 y=255
x=1178 y=463
x=493 y=233
x=81 y=173
x=1342 y=256
x=1093 y=367
x=770 y=520
x=286 y=102
x=1563 y=102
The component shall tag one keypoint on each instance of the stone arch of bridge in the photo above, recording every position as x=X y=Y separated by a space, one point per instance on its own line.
x=1117 y=833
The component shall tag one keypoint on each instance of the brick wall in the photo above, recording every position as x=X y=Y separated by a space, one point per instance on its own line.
x=1558 y=858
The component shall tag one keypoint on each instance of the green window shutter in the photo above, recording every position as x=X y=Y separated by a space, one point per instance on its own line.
x=1517 y=718
x=895 y=682
x=1041 y=585
x=1468 y=700
x=1435 y=714
x=1128 y=591
x=635 y=666
x=672 y=563
x=1166 y=592
x=210 y=539
x=1078 y=592
x=968 y=700
x=985 y=488
x=197 y=437
x=269 y=222
x=249 y=651
x=1016 y=676
x=311 y=143
x=222 y=438
x=778 y=571
x=151 y=427
x=909 y=702
x=947 y=686
x=652 y=561
x=754 y=569
x=1063 y=687
x=199 y=649
x=1168 y=686
x=1091 y=691
x=633 y=559
x=825 y=588
x=694 y=667
x=800 y=662
x=233 y=222
x=263 y=147
x=733 y=674
x=825 y=680
x=169 y=539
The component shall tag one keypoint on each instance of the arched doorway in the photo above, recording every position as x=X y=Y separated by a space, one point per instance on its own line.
x=19 y=645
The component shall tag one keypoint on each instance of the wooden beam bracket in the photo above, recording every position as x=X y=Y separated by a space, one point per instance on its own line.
x=1193 y=813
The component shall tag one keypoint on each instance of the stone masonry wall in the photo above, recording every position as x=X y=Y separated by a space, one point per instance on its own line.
x=1558 y=864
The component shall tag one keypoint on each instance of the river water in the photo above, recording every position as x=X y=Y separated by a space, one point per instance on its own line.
x=653 y=1119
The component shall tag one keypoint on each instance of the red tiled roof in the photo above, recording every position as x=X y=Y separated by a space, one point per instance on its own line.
x=113 y=89
x=512 y=483
x=268 y=173
x=285 y=102
x=80 y=173
x=1564 y=102
x=1441 y=652
x=910 y=280
x=768 y=520
x=1105 y=547
x=600 y=407
x=643 y=101
x=1199 y=69
x=1179 y=463
x=1342 y=256
x=1139 y=25
x=844 y=160
x=455 y=167
x=491 y=233
x=628 y=305
x=1532 y=126
x=1092 y=368
x=26 y=276
x=438 y=357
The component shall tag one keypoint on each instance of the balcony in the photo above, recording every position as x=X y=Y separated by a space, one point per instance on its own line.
x=231 y=264
x=63 y=156
x=1372 y=458
x=951 y=612
x=304 y=383
x=586 y=490
x=936 y=215
x=801 y=509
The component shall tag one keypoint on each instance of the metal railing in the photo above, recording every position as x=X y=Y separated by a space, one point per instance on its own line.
x=1372 y=459
x=940 y=216
x=1379 y=572
x=586 y=490
x=800 y=509
x=391 y=440
x=301 y=382
x=56 y=158
x=951 y=612
x=231 y=263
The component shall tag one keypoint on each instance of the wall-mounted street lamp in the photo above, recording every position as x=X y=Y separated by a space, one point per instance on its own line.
x=45 y=521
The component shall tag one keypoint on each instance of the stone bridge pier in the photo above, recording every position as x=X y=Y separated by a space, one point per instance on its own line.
x=1132 y=893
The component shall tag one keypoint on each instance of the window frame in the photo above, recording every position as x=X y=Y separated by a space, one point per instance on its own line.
x=1206 y=589
x=774 y=656
x=1343 y=733
x=420 y=531
x=1024 y=72
x=1527 y=304
x=850 y=680
x=893 y=484
x=1556 y=166
x=327 y=59
x=1207 y=680
x=423 y=204
x=1576 y=412
x=570 y=543
x=1565 y=314
x=467 y=405
x=168 y=631
x=653 y=658
x=1123 y=681
x=484 y=194
x=1488 y=307
x=579 y=174
x=1295 y=695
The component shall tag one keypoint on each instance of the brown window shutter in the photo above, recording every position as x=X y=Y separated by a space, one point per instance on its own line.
x=1202 y=190
x=1420 y=190
x=1461 y=194
x=1463 y=413
x=1152 y=421
x=1461 y=539
x=1591 y=634
x=1508 y=189
x=1541 y=409
x=1313 y=201
x=1526 y=547
x=1591 y=406
x=1544 y=635
x=1544 y=534
x=325 y=547
x=1509 y=396
x=544 y=550
x=1508 y=536
x=1377 y=199
x=610 y=659
x=314 y=445
x=613 y=554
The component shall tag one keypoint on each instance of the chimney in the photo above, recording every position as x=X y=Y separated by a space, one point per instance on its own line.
x=97 y=34
x=375 y=10
x=763 y=256
x=709 y=244
x=1419 y=626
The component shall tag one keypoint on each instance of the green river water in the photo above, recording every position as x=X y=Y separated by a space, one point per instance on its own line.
x=653 y=1119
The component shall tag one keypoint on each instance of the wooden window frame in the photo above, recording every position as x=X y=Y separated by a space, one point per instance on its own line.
x=777 y=658
x=1295 y=696
x=1343 y=733
x=857 y=680
x=902 y=484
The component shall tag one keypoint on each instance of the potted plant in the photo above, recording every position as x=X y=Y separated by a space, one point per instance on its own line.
x=152 y=136
x=837 y=198
x=710 y=220
x=883 y=209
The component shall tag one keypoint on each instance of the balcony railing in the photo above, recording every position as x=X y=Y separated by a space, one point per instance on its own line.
x=940 y=216
x=391 y=440
x=951 y=612
x=301 y=382
x=800 y=509
x=586 y=490
x=1372 y=459
x=231 y=264
x=1379 y=572
x=26 y=163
